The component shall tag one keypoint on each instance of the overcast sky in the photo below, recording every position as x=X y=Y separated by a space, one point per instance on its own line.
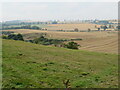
x=59 y=10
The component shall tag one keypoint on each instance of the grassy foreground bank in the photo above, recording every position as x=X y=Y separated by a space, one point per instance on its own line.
x=27 y=65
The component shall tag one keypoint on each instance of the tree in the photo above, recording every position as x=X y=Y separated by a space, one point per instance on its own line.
x=98 y=29
x=95 y=26
x=76 y=29
x=15 y=37
x=4 y=37
x=11 y=36
x=71 y=45
x=118 y=27
x=54 y=22
x=104 y=27
x=19 y=37
x=110 y=26
x=35 y=27
x=89 y=29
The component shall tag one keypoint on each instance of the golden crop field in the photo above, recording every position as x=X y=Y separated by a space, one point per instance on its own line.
x=71 y=26
x=92 y=41
x=80 y=27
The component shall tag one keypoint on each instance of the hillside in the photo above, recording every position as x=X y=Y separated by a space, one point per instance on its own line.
x=27 y=65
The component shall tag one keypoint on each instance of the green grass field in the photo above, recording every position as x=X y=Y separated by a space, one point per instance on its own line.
x=27 y=65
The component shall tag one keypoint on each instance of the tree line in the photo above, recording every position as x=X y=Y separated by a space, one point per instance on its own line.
x=45 y=41
x=13 y=37
x=21 y=27
x=42 y=40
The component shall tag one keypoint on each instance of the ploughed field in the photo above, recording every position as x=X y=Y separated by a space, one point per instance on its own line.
x=28 y=65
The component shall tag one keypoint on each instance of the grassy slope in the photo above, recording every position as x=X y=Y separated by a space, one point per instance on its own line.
x=43 y=66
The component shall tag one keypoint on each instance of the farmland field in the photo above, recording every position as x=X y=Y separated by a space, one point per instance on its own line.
x=82 y=26
x=70 y=26
x=92 y=41
x=28 y=65
x=59 y=45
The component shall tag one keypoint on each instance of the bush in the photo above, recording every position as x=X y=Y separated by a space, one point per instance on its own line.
x=7 y=32
x=76 y=30
x=35 y=27
x=54 y=22
x=77 y=39
x=71 y=45
x=46 y=41
x=14 y=37
x=19 y=37
x=4 y=37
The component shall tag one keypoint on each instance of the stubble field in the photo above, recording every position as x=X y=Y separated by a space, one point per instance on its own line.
x=91 y=41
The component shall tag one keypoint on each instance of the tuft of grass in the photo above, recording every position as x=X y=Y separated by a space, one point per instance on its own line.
x=84 y=73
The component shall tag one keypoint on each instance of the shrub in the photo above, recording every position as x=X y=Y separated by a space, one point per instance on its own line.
x=54 y=22
x=4 y=37
x=7 y=32
x=35 y=27
x=71 y=45
x=77 y=39
x=76 y=30
x=14 y=37
x=46 y=41
x=89 y=29
x=19 y=37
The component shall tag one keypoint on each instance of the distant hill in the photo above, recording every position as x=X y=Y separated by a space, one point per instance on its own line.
x=14 y=21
